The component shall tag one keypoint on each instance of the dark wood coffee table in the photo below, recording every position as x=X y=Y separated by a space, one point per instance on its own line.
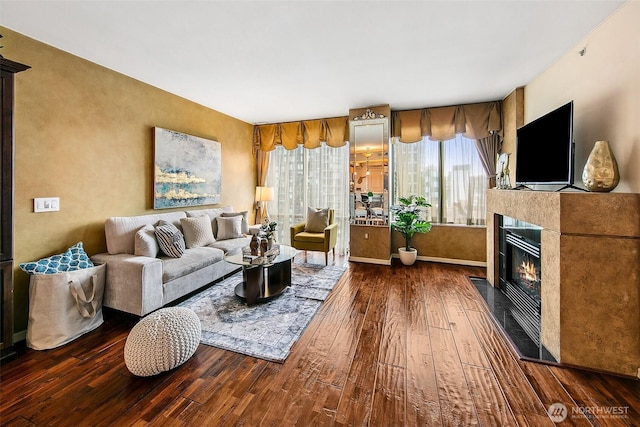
x=263 y=278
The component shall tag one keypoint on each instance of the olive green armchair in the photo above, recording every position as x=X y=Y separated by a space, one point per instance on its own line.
x=322 y=241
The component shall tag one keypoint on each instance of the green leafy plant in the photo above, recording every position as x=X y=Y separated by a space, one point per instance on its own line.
x=408 y=218
x=268 y=228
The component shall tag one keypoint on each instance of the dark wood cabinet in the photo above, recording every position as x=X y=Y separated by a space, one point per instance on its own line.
x=8 y=69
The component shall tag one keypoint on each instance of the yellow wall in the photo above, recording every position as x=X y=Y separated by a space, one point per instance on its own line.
x=448 y=243
x=605 y=87
x=84 y=133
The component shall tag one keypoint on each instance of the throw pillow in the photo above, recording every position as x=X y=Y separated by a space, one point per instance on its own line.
x=145 y=243
x=197 y=231
x=74 y=258
x=229 y=227
x=170 y=239
x=245 y=219
x=212 y=214
x=317 y=220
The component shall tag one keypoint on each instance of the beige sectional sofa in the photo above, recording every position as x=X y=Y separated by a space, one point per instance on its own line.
x=139 y=284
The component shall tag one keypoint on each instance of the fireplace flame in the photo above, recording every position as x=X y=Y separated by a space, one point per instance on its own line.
x=528 y=273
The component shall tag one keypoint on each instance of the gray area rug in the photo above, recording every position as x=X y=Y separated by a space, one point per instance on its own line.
x=267 y=330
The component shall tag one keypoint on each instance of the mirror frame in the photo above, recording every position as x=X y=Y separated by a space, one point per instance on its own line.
x=373 y=217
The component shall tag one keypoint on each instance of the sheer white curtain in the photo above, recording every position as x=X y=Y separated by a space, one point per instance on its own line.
x=417 y=169
x=465 y=182
x=304 y=177
x=448 y=173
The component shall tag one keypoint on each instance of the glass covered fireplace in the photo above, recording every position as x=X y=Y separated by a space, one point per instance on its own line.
x=524 y=271
x=520 y=273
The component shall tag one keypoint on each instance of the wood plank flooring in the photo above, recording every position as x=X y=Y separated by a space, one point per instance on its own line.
x=391 y=346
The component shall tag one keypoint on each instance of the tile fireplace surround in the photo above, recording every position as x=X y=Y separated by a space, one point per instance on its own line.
x=590 y=266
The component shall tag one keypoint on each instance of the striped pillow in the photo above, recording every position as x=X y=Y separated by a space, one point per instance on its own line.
x=170 y=239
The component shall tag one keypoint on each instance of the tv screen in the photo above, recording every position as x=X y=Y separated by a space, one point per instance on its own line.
x=544 y=150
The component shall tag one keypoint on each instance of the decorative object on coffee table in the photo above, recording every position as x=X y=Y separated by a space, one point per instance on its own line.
x=162 y=341
x=268 y=232
x=601 y=170
x=408 y=221
x=254 y=245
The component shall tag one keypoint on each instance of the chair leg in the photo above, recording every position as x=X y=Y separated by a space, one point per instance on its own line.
x=326 y=258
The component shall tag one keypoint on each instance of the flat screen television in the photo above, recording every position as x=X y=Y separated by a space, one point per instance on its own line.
x=545 y=149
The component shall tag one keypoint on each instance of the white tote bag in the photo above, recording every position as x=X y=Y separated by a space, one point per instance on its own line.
x=64 y=306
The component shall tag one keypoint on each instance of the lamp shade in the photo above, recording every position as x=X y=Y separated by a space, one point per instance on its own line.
x=264 y=194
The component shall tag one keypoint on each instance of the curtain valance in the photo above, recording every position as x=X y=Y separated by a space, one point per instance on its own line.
x=308 y=133
x=474 y=121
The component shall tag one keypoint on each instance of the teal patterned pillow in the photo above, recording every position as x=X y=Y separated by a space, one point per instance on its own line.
x=74 y=258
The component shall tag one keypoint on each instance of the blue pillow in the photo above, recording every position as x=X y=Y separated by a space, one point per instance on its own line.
x=74 y=258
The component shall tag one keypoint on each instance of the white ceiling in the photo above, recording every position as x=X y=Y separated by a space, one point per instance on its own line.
x=275 y=61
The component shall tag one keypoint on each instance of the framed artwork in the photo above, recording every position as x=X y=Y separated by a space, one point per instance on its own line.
x=187 y=170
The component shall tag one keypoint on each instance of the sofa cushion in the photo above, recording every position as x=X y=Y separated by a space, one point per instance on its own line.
x=191 y=260
x=231 y=246
x=170 y=239
x=245 y=219
x=197 y=231
x=305 y=236
x=229 y=227
x=145 y=243
x=120 y=231
x=317 y=220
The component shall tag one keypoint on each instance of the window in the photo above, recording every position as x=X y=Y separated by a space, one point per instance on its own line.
x=448 y=173
x=304 y=177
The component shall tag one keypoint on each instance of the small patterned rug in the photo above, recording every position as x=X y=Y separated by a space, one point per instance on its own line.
x=267 y=330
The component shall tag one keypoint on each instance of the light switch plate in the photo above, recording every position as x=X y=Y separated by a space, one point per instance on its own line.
x=46 y=204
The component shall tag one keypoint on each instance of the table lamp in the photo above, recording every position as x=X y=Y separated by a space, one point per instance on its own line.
x=264 y=194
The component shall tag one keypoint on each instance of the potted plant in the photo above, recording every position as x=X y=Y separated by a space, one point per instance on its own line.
x=267 y=231
x=408 y=221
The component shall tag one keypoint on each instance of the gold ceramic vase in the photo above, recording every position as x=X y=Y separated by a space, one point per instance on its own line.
x=601 y=170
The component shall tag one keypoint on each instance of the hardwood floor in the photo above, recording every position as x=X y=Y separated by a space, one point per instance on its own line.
x=390 y=347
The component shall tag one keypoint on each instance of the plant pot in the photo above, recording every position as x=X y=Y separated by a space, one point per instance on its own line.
x=408 y=257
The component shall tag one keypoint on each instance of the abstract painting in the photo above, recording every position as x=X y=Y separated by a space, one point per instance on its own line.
x=188 y=170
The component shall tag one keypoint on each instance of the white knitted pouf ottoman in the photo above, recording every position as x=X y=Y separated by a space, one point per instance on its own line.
x=162 y=341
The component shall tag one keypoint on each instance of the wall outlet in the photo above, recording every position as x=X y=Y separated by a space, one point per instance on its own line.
x=366 y=236
x=46 y=204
